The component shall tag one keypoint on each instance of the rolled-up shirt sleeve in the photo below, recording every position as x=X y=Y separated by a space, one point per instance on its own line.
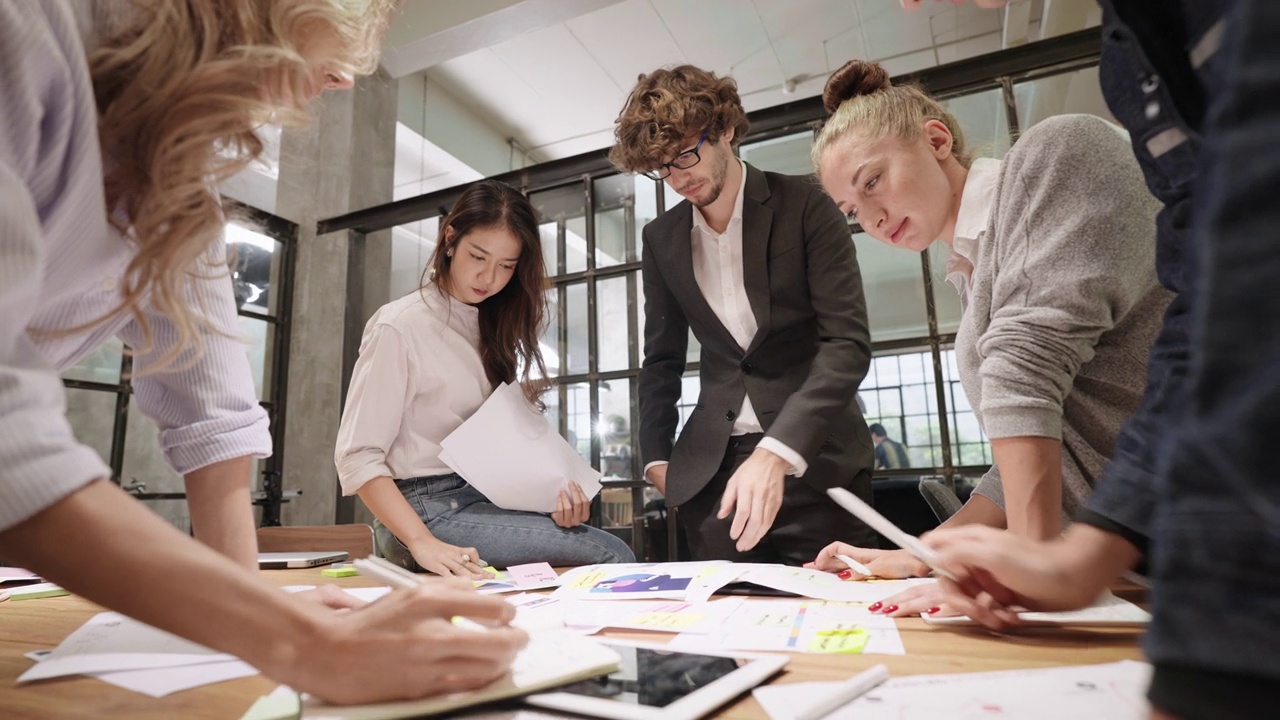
x=204 y=404
x=375 y=408
x=41 y=461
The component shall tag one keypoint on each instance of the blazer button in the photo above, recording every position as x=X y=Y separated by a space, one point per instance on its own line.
x=730 y=415
x=747 y=368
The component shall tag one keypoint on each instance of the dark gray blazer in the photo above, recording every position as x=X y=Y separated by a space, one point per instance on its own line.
x=805 y=363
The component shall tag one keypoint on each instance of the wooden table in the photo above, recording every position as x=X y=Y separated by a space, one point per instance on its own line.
x=36 y=624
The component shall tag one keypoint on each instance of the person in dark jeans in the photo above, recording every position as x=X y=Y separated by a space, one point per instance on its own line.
x=1193 y=484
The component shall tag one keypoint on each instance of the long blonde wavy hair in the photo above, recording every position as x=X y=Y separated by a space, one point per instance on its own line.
x=181 y=86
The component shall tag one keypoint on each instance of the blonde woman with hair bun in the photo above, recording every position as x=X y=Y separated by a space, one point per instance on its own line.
x=117 y=121
x=1052 y=250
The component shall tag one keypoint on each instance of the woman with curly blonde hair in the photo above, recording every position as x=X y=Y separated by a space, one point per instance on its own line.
x=117 y=121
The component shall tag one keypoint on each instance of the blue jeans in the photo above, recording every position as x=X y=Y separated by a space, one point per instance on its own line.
x=460 y=515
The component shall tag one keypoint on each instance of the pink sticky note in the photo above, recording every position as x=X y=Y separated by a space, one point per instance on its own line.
x=532 y=574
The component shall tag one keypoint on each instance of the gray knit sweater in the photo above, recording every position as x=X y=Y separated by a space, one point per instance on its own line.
x=1063 y=305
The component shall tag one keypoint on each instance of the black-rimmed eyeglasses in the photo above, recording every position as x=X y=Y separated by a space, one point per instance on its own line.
x=683 y=161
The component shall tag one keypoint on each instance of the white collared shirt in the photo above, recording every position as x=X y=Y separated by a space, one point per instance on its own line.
x=718 y=270
x=971 y=222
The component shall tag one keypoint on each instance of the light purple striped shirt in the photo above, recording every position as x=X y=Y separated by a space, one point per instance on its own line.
x=61 y=264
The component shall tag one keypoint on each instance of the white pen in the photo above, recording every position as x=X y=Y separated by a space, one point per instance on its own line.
x=848 y=691
x=398 y=577
x=854 y=565
x=885 y=527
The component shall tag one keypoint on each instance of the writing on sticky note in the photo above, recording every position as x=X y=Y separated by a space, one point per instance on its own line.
x=589 y=580
x=532 y=574
x=839 y=640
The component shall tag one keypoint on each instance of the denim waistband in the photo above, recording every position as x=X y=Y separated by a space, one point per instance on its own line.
x=435 y=483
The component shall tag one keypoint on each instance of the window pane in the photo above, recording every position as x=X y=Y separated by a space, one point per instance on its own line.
x=615 y=429
x=92 y=415
x=550 y=340
x=886 y=370
x=624 y=204
x=259 y=335
x=788 y=154
x=611 y=324
x=549 y=234
x=1073 y=92
x=894 y=285
x=576 y=325
x=551 y=398
x=144 y=462
x=255 y=257
x=578 y=410
x=915 y=399
x=983 y=118
x=575 y=244
x=412 y=246
x=690 y=386
x=565 y=207
x=966 y=428
x=102 y=365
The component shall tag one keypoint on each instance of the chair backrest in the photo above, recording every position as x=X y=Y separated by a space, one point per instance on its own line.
x=356 y=539
x=942 y=500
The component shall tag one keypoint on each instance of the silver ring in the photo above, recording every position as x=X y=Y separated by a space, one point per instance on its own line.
x=466 y=558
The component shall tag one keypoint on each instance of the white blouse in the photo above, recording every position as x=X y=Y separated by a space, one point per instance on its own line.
x=418 y=377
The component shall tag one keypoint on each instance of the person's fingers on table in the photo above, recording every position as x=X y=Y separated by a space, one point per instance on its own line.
x=332 y=596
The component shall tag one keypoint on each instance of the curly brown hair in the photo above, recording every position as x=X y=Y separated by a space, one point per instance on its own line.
x=666 y=108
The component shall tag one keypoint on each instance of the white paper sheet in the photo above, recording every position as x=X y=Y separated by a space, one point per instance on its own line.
x=111 y=642
x=804 y=582
x=636 y=581
x=799 y=626
x=159 y=682
x=1114 y=691
x=1106 y=610
x=531 y=462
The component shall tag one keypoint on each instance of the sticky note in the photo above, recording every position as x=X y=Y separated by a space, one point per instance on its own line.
x=667 y=620
x=32 y=592
x=283 y=704
x=340 y=570
x=844 y=641
x=532 y=574
x=589 y=580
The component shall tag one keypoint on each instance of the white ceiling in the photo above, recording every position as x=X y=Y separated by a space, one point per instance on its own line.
x=557 y=89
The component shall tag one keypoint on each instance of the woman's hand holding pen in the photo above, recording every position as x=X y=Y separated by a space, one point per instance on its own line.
x=441 y=558
x=573 y=507
x=885 y=564
x=404 y=646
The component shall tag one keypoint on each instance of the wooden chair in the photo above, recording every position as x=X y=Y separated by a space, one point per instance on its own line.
x=356 y=539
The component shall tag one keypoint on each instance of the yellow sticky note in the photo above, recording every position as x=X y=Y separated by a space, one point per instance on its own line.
x=845 y=641
x=666 y=620
x=589 y=580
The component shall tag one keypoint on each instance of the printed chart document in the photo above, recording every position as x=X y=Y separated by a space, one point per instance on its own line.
x=509 y=452
x=698 y=581
x=1107 y=611
x=549 y=660
x=1114 y=691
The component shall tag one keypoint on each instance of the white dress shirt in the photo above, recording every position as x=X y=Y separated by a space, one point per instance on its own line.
x=419 y=376
x=976 y=201
x=718 y=270
x=60 y=266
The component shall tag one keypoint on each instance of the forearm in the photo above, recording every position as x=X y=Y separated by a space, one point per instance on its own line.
x=1031 y=473
x=389 y=505
x=129 y=560
x=221 y=507
x=979 y=510
x=1091 y=559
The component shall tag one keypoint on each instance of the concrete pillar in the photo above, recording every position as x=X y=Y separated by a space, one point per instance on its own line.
x=343 y=162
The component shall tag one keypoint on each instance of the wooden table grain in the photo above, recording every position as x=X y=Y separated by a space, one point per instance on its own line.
x=38 y=624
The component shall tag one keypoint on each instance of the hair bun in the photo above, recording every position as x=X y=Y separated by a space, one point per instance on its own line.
x=856 y=77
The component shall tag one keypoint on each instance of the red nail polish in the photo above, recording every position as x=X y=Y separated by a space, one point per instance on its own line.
x=874 y=607
x=891 y=609
x=844 y=574
x=932 y=610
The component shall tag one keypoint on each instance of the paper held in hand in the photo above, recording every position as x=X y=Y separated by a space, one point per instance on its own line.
x=509 y=452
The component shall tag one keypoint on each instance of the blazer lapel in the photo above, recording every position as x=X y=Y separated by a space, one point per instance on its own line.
x=757 y=222
x=684 y=284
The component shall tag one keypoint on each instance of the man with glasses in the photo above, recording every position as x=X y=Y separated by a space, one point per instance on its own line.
x=761 y=268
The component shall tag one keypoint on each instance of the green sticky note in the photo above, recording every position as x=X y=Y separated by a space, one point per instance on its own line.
x=283 y=704
x=32 y=592
x=339 y=571
x=845 y=641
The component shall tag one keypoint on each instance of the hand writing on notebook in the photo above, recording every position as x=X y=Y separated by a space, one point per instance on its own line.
x=997 y=570
x=404 y=645
x=441 y=558
x=887 y=564
x=573 y=507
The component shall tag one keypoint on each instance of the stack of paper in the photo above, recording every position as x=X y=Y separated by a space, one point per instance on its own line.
x=17 y=576
x=135 y=656
x=828 y=628
x=533 y=463
x=1114 y=691
x=519 y=578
